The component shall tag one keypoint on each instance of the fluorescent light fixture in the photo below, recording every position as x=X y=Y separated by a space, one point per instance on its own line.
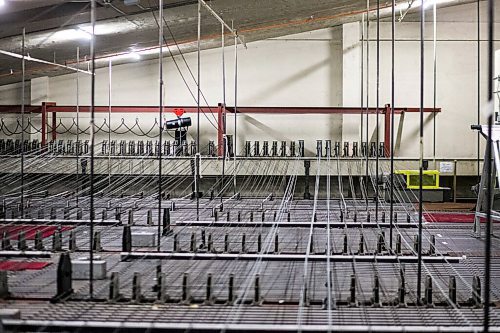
x=108 y=28
x=133 y=55
x=2 y=2
x=29 y=58
x=418 y=3
x=154 y=50
x=71 y=34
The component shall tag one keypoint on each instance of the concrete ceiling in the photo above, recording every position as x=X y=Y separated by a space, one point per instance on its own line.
x=54 y=27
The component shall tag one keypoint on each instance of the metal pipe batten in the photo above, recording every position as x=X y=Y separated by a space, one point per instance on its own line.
x=289 y=257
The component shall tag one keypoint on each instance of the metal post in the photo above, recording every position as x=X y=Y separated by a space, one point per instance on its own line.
x=377 y=115
x=393 y=32
x=77 y=124
x=23 y=64
x=421 y=168
x=160 y=122
x=367 y=98
x=455 y=181
x=221 y=123
x=54 y=125
x=235 y=140
x=196 y=165
x=434 y=97
x=362 y=75
x=488 y=231
x=478 y=87
x=198 y=80
x=223 y=70
x=44 y=125
x=387 y=130
x=487 y=250
x=222 y=117
x=92 y=118
x=109 y=119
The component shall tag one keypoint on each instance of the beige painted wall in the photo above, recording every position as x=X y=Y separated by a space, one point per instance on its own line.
x=319 y=68
x=299 y=70
x=456 y=88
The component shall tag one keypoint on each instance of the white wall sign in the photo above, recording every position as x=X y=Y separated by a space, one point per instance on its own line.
x=445 y=167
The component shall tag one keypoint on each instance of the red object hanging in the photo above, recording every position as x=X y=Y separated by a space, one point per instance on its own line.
x=179 y=112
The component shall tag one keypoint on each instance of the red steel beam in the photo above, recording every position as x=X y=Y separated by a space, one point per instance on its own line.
x=44 y=124
x=194 y=109
x=17 y=108
x=54 y=125
x=131 y=109
x=50 y=107
x=324 y=110
x=43 y=110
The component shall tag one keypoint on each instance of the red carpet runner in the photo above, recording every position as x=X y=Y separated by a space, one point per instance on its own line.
x=450 y=217
x=21 y=265
x=30 y=230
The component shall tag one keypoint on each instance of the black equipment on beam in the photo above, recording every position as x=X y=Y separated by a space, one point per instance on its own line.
x=178 y=123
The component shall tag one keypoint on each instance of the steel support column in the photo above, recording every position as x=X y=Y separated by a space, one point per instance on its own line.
x=45 y=111
x=221 y=128
x=387 y=130
x=54 y=125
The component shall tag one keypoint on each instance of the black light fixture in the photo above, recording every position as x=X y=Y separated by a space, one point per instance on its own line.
x=178 y=123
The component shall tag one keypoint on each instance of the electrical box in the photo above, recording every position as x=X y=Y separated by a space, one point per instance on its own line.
x=430 y=179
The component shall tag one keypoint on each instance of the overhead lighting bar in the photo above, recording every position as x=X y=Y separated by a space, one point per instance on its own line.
x=133 y=55
x=30 y=58
x=412 y=4
x=72 y=34
x=108 y=28
x=234 y=32
x=2 y=2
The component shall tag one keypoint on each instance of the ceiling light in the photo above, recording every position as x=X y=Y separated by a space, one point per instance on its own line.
x=108 y=28
x=149 y=51
x=417 y=3
x=71 y=34
x=133 y=55
x=2 y=2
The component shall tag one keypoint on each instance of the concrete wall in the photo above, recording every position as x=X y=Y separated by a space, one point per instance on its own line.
x=319 y=68
x=456 y=82
x=11 y=94
x=298 y=70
